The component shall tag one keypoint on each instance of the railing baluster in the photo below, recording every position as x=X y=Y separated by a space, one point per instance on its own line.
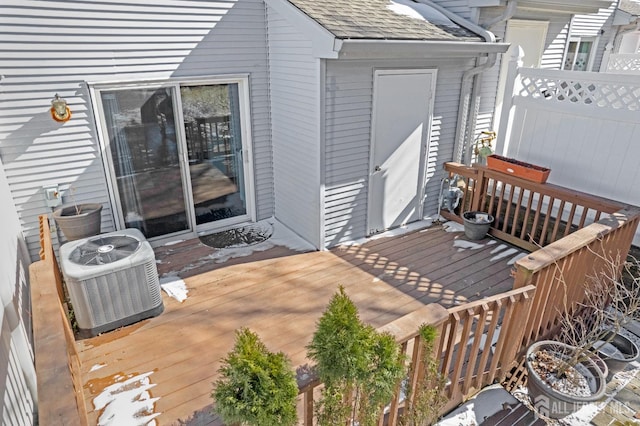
x=516 y=213
x=525 y=223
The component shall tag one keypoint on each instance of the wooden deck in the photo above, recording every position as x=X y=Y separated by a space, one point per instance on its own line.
x=280 y=293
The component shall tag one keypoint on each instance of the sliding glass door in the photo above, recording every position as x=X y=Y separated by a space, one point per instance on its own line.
x=214 y=146
x=176 y=155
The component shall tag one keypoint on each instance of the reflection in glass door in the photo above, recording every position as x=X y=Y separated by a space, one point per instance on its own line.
x=211 y=116
x=140 y=126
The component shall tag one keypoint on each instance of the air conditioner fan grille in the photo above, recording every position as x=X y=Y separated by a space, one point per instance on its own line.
x=104 y=250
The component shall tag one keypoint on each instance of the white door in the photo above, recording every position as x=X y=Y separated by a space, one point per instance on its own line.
x=402 y=105
x=531 y=37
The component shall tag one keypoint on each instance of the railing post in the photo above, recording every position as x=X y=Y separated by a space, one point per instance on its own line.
x=522 y=277
x=478 y=190
x=504 y=115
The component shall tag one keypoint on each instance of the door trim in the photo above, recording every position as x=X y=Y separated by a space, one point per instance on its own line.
x=426 y=137
x=194 y=230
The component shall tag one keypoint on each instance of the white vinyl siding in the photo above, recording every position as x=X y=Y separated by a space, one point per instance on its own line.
x=56 y=47
x=459 y=7
x=551 y=59
x=597 y=27
x=349 y=95
x=294 y=76
x=17 y=371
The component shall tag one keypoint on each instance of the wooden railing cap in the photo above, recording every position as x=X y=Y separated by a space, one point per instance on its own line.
x=577 y=240
x=407 y=327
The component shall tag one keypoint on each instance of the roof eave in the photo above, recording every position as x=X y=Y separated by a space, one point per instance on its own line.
x=325 y=44
x=395 y=49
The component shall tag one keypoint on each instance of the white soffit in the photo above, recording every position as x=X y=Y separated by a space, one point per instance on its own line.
x=557 y=6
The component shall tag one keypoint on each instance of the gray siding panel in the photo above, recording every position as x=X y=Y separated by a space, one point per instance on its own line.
x=349 y=97
x=294 y=79
x=17 y=371
x=56 y=47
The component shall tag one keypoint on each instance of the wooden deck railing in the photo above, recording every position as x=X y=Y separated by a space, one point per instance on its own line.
x=560 y=270
x=477 y=343
x=60 y=396
x=527 y=214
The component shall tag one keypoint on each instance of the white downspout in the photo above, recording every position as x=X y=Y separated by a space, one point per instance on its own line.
x=508 y=13
x=467 y=116
x=467 y=91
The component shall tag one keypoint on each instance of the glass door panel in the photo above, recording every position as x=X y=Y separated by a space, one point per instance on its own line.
x=140 y=125
x=214 y=146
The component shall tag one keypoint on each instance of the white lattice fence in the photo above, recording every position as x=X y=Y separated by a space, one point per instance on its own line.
x=584 y=126
x=625 y=63
x=581 y=88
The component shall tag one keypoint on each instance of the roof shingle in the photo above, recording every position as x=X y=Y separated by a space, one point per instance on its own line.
x=376 y=19
x=630 y=6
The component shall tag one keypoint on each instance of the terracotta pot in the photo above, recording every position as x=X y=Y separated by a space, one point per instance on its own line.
x=517 y=168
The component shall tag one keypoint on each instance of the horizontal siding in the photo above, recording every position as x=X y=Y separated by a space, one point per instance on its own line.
x=349 y=97
x=558 y=25
x=459 y=7
x=56 y=47
x=17 y=371
x=598 y=25
x=294 y=79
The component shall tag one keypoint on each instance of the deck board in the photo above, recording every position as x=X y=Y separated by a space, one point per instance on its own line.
x=280 y=294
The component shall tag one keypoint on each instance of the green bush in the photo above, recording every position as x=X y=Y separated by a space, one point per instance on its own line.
x=360 y=368
x=429 y=397
x=256 y=387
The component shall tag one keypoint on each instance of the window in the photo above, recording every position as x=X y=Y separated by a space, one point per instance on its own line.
x=176 y=154
x=578 y=56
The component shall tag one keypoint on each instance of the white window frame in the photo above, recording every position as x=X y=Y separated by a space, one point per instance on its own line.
x=580 y=39
x=242 y=80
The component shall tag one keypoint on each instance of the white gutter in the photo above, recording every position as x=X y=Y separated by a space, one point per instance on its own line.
x=508 y=13
x=466 y=115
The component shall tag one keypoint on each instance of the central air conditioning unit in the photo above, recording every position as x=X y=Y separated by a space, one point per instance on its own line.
x=112 y=280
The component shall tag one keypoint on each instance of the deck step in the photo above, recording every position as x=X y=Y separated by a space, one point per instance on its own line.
x=518 y=415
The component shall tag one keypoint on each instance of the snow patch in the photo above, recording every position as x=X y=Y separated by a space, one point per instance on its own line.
x=506 y=253
x=452 y=226
x=97 y=367
x=464 y=244
x=485 y=404
x=419 y=11
x=515 y=258
x=170 y=243
x=127 y=403
x=499 y=248
x=174 y=287
x=414 y=226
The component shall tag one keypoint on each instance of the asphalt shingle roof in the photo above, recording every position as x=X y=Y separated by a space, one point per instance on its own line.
x=630 y=6
x=373 y=19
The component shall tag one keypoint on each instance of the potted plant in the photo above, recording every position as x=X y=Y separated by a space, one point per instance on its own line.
x=476 y=224
x=360 y=368
x=620 y=285
x=521 y=169
x=78 y=221
x=256 y=387
x=564 y=375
